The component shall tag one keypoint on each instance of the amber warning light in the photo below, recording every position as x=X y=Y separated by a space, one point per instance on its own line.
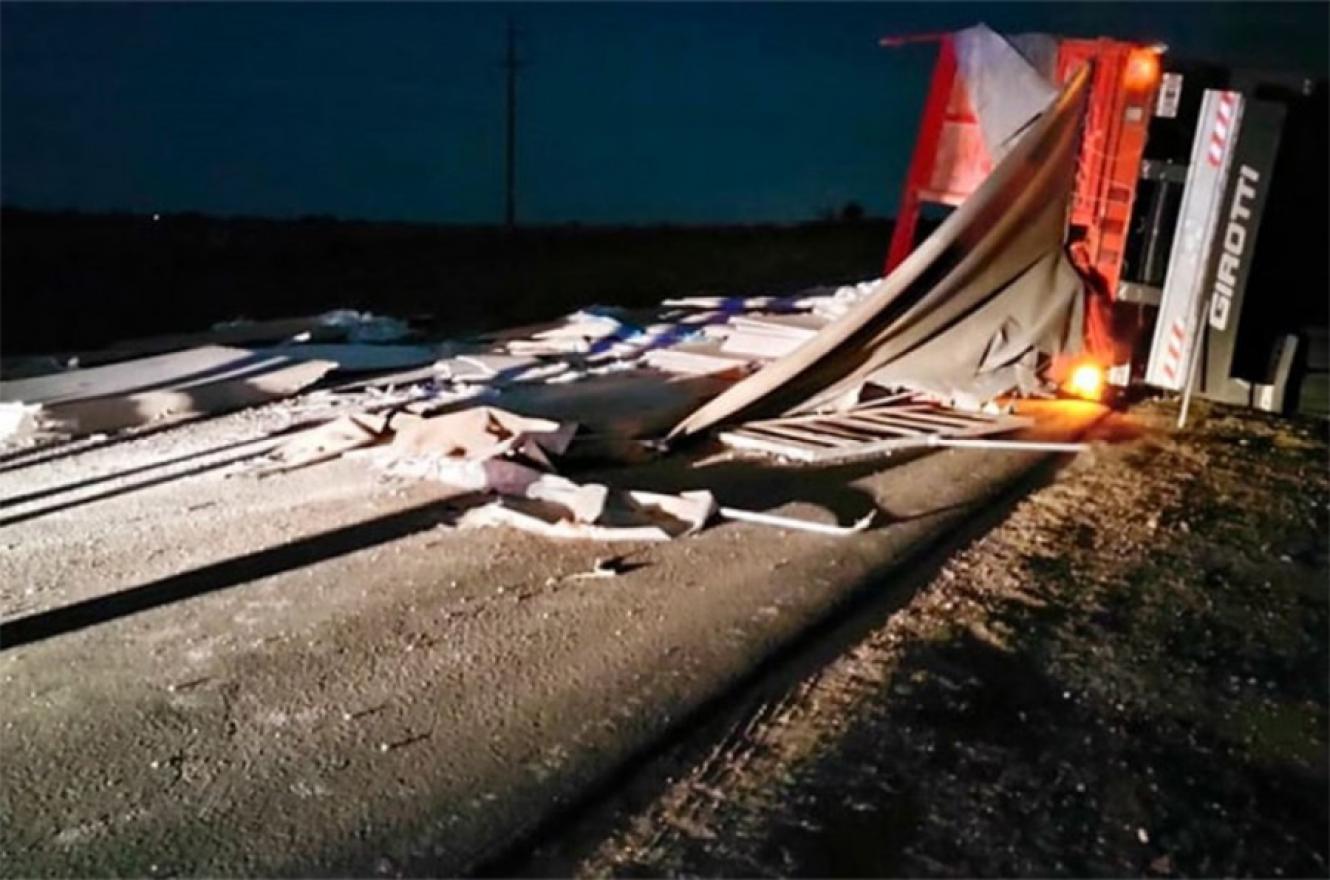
x=1142 y=70
x=1087 y=381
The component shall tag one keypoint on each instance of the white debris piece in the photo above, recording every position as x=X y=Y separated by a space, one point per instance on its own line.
x=18 y=420
x=194 y=382
x=329 y=440
x=358 y=357
x=365 y=326
x=577 y=335
x=558 y=508
x=482 y=449
x=840 y=300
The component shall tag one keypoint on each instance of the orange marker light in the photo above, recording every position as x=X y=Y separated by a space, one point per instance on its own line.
x=1086 y=381
x=1142 y=70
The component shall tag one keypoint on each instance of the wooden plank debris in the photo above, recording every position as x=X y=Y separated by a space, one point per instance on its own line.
x=200 y=381
x=342 y=325
x=576 y=335
x=794 y=524
x=359 y=357
x=177 y=369
x=696 y=359
x=769 y=336
x=100 y=414
x=875 y=428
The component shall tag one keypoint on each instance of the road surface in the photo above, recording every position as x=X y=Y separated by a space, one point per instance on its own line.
x=205 y=672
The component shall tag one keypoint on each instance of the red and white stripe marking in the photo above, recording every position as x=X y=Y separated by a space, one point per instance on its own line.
x=1177 y=335
x=1219 y=135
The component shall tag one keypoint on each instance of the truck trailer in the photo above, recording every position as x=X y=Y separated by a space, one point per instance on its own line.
x=1194 y=185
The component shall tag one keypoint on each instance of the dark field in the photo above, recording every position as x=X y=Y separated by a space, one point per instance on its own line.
x=74 y=281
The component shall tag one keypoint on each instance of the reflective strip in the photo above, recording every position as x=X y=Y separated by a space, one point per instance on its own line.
x=1181 y=301
x=1176 y=337
x=1222 y=128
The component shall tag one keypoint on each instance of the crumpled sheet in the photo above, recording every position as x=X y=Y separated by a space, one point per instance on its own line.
x=481 y=448
x=18 y=420
x=1006 y=90
x=488 y=450
x=999 y=347
x=328 y=441
x=989 y=287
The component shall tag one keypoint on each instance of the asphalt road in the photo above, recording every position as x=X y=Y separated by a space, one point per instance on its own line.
x=204 y=672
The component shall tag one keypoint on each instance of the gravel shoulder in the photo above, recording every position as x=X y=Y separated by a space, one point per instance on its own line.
x=1127 y=677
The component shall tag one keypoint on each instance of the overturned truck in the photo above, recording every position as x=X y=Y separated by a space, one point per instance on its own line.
x=1188 y=192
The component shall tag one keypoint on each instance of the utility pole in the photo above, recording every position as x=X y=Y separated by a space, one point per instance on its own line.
x=511 y=65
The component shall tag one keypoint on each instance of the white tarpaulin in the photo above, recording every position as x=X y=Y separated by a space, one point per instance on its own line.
x=1006 y=90
x=990 y=291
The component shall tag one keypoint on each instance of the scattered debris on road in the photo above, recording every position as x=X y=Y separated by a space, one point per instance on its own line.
x=492 y=415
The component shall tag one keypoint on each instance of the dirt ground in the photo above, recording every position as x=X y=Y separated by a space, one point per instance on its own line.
x=1127 y=677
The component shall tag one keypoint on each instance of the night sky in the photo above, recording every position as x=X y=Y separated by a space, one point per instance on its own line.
x=632 y=113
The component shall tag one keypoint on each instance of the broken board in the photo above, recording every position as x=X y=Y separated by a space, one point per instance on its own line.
x=200 y=381
x=870 y=429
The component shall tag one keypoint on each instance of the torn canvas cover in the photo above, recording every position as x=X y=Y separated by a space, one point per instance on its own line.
x=1006 y=89
x=989 y=291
